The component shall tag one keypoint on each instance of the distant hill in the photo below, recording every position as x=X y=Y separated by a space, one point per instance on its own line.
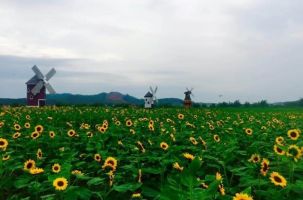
x=112 y=98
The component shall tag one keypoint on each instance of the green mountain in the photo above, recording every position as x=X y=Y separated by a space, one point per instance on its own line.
x=112 y=98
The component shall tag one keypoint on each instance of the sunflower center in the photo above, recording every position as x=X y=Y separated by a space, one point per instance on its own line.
x=265 y=167
x=56 y=168
x=111 y=162
x=60 y=183
x=277 y=179
x=256 y=159
x=1 y=143
x=279 y=150
x=293 y=134
x=29 y=165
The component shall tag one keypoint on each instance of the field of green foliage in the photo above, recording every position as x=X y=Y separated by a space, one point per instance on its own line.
x=164 y=153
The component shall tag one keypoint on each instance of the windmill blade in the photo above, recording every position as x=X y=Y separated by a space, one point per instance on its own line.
x=151 y=89
x=37 y=72
x=49 y=88
x=156 y=89
x=50 y=74
x=36 y=89
x=191 y=89
x=187 y=89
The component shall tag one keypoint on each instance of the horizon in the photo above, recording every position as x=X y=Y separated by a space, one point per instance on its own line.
x=247 y=50
x=142 y=98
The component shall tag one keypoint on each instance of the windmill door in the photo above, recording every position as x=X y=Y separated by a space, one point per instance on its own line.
x=41 y=102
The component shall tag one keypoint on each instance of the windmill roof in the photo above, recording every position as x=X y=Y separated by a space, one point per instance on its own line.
x=33 y=81
x=148 y=94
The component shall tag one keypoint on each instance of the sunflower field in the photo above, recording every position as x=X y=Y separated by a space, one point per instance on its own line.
x=163 y=153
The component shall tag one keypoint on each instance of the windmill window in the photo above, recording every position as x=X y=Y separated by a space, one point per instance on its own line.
x=28 y=90
x=31 y=97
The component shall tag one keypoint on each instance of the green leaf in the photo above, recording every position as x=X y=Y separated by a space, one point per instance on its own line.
x=95 y=181
x=127 y=187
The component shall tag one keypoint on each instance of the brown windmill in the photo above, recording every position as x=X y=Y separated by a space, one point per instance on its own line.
x=37 y=85
x=187 y=99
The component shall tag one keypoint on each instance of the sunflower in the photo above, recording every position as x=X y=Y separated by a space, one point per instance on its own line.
x=203 y=185
x=118 y=123
x=177 y=166
x=132 y=131
x=60 y=183
x=151 y=122
x=294 y=151
x=216 y=138
x=89 y=134
x=221 y=189
x=28 y=117
x=71 y=133
x=164 y=145
x=128 y=123
x=105 y=126
x=56 y=168
x=218 y=176
x=280 y=140
x=278 y=150
x=242 y=196
x=35 y=135
x=3 y=144
x=180 y=116
x=141 y=146
x=101 y=129
x=151 y=127
x=255 y=158
x=36 y=170
x=97 y=157
x=39 y=128
x=29 y=164
x=136 y=195
x=111 y=161
x=52 y=134
x=211 y=127
x=264 y=166
x=77 y=172
x=5 y=157
x=16 y=135
x=278 y=179
x=248 y=131
x=188 y=156
x=17 y=127
x=39 y=154
x=108 y=167
x=193 y=140
x=293 y=134
x=27 y=125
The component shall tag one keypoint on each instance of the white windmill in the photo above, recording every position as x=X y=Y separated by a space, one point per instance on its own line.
x=37 y=85
x=150 y=98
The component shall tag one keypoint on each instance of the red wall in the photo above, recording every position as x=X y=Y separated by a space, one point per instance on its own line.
x=34 y=101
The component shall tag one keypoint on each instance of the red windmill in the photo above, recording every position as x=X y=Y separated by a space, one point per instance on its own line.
x=187 y=99
x=37 y=85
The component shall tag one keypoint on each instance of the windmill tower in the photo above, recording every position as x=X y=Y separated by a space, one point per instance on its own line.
x=37 y=85
x=150 y=98
x=187 y=99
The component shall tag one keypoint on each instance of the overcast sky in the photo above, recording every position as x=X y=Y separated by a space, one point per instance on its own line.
x=242 y=49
